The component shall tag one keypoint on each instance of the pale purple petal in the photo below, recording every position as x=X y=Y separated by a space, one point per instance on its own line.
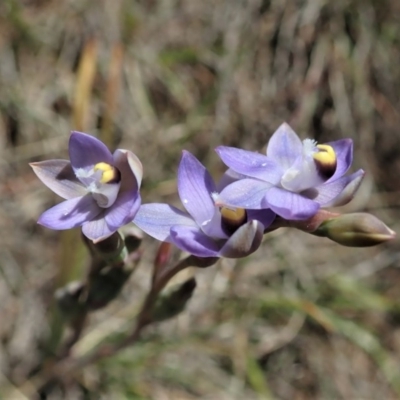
x=195 y=187
x=265 y=216
x=59 y=177
x=194 y=241
x=250 y=164
x=246 y=193
x=123 y=210
x=85 y=151
x=227 y=178
x=339 y=192
x=244 y=241
x=289 y=205
x=284 y=146
x=97 y=229
x=89 y=178
x=213 y=227
x=303 y=174
x=156 y=219
x=130 y=168
x=344 y=156
x=106 y=194
x=70 y=213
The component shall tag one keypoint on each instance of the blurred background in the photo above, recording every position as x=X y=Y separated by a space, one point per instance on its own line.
x=303 y=318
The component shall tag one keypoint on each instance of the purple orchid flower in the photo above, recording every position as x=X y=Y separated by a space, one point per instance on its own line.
x=294 y=179
x=101 y=189
x=205 y=230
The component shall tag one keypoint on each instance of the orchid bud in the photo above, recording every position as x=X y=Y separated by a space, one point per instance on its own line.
x=201 y=262
x=69 y=299
x=110 y=248
x=355 y=230
x=133 y=238
x=174 y=301
x=106 y=284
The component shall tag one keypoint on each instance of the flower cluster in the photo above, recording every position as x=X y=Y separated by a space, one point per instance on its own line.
x=292 y=181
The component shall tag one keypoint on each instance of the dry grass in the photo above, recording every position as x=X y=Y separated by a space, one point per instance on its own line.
x=303 y=318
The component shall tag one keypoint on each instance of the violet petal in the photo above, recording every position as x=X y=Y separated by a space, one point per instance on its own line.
x=85 y=151
x=156 y=219
x=246 y=193
x=194 y=241
x=244 y=241
x=213 y=227
x=289 y=205
x=106 y=194
x=97 y=229
x=227 y=178
x=339 y=192
x=303 y=174
x=250 y=164
x=59 y=176
x=130 y=168
x=195 y=187
x=70 y=213
x=123 y=210
x=284 y=146
x=265 y=216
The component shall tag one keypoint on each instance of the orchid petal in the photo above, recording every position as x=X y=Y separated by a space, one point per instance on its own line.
x=344 y=157
x=284 y=146
x=265 y=216
x=249 y=163
x=59 y=176
x=195 y=186
x=97 y=229
x=227 y=178
x=244 y=241
x=85 y=151
x=194 y=241
x=246 y=193
x=339 y=192
x=123 y=210
x=303 y=173
x=291 y=206
x=156 y=220
x=70 y=213
x=213 y=227
x=105 y=194
x=130 y=168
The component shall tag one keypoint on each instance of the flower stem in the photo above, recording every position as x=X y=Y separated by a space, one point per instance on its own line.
x=70 y=364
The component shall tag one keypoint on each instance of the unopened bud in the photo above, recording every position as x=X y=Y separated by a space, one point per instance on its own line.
x=105 y=285
x=109 y=249
x=133 y=238
x=201 y=262
x=355 y=230
x=69 y=299
x=174 y=301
